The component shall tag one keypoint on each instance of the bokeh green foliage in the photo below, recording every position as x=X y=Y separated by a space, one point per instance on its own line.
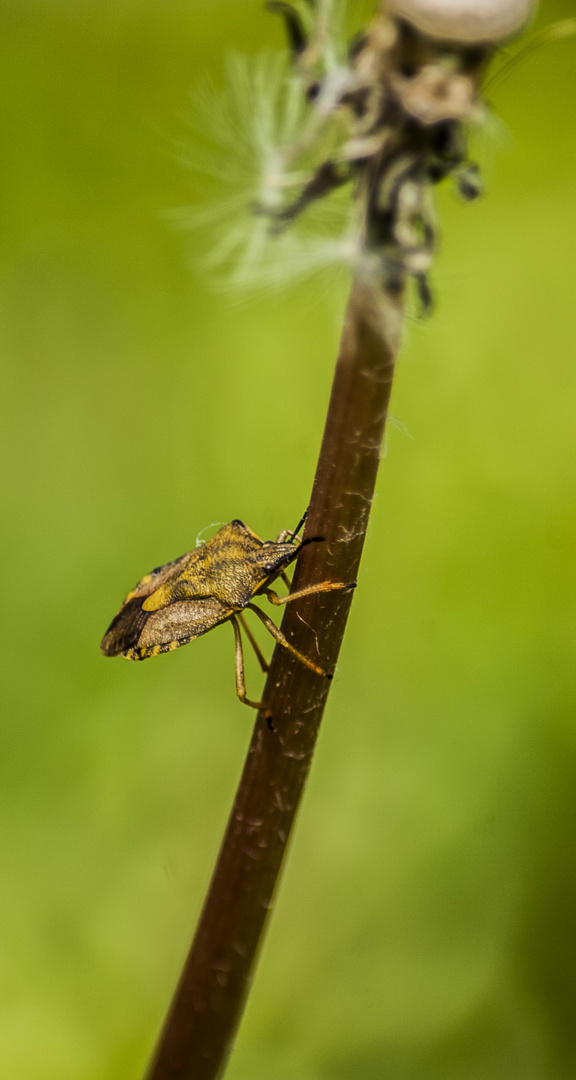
x=426 y=927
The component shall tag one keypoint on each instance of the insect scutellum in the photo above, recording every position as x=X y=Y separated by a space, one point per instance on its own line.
x=212 y=584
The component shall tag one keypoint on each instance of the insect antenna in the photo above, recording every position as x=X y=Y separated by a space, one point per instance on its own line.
x=290 y=538
x=311 y=540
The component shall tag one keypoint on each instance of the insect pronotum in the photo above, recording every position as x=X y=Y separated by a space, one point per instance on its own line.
x=215 y=583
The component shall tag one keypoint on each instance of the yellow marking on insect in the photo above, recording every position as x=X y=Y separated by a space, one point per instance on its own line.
x=159 y=599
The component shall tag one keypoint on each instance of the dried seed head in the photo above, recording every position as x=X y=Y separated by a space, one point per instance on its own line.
x=465 y=20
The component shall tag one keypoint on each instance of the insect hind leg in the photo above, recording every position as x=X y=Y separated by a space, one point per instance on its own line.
x=259 y=654
x=240 y=680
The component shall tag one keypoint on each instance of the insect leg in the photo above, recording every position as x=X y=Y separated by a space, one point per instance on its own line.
x=327 y=177
x=279 y=637
x=240 y=681
x=297 y=38
x=322 y=586
x=259 y=654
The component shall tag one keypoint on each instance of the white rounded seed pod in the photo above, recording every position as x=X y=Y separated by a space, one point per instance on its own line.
x=465 y=20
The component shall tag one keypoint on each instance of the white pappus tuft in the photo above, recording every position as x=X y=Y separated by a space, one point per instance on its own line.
x=243 y=168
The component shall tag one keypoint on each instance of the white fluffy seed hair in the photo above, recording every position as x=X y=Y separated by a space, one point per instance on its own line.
x=465 y=20
x=241 y=136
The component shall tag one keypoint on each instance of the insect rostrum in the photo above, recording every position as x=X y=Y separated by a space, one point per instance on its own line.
x=182 y=600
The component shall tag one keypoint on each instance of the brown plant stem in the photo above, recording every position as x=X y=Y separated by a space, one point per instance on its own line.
x=209 y=1000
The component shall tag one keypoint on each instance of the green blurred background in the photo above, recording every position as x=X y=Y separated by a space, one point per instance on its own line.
x=426 y=927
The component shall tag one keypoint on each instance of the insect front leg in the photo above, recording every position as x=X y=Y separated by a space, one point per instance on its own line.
x=279 y=637
x=322 y=586
x=240 y=680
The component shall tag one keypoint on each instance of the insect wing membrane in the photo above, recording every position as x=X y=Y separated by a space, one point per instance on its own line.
x=138 y=634
x=127 y=625
x=125 y=628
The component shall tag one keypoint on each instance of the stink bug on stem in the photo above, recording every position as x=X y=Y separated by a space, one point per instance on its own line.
x=213 y=584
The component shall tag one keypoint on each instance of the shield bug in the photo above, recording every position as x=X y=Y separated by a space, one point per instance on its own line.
x=213 y=584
